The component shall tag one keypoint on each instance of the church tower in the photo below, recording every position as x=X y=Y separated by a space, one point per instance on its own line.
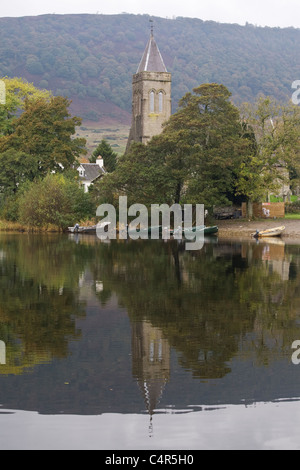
x=151 y=95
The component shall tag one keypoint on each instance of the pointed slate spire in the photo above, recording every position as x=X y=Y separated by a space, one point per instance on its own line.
x=151 y=95
x=152 y=60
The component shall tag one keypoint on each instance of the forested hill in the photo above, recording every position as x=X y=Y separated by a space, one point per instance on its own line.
x=91 y=58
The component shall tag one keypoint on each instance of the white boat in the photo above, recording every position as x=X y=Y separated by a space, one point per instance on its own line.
x=89 y=229
x=75 y=229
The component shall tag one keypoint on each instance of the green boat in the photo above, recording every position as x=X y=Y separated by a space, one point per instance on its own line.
x=211 y=230
x=145 y=230
x=207 y=230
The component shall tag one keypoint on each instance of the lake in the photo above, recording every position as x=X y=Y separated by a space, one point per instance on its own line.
x=145 y=345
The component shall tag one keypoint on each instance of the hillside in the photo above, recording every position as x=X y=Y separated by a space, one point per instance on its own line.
x=91 y=58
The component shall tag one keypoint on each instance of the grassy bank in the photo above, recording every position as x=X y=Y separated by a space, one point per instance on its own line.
x=7 y=226
x=292 y=216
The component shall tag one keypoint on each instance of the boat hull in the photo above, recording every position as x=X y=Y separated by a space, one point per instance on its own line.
x=92 y=229
x=82 y=230
x=274 y=232
x=145 y=231
x=207 y=230
x=211 y=230
x=148 y=231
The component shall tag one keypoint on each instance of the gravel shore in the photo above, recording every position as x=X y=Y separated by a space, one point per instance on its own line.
x=243 y=228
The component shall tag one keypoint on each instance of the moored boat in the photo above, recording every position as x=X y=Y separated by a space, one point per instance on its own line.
x=211 y=230
x=272 y=232
x=75 y=229
x=207 y=230
x=145 y=230
x=92 y=229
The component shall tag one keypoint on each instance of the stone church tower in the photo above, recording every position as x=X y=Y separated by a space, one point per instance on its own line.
x=151 y=95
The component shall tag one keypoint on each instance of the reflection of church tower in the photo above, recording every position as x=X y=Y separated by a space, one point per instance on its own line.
x=151 y=95
x=150 y=362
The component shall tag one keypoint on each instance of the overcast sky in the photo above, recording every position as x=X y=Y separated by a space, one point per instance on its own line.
x=282 y=13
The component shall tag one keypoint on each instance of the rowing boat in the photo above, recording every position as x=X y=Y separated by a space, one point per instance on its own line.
x=207 y=230
x=272 y=232
x=92 y=229
x=173 y=232
x=145 y=230
x=211 y=230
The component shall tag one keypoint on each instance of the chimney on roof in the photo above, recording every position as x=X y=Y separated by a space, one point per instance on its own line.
x=99 y=161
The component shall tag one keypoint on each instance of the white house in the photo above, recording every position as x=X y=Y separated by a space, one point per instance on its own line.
x=90 y=172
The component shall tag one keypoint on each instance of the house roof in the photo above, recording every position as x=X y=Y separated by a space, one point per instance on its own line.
x=92 y=171
x=152 y=60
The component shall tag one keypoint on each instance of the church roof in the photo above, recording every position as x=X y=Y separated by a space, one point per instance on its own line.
x=152 y=60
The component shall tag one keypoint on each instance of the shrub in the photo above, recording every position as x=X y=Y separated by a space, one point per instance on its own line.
x=55 y=200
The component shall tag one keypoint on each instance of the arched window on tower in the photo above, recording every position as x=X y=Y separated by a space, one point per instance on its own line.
x=152 y=101
x=160 y=102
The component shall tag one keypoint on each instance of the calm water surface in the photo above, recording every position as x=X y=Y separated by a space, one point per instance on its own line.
x=144 y=345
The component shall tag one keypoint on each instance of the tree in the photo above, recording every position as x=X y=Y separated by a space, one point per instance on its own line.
x=15 y=168
x=191 y=161
x=141 y=175
x=106 y=152
x=275 y=129
x=44 y=130
x=17 y=91
x=201 y=144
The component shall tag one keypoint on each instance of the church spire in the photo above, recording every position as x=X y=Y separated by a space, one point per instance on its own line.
x=151 y=95
x=152 y=60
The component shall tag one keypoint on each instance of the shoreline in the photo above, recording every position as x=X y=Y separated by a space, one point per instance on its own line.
x=16 y=227
x=245 y=228
x=237 y=228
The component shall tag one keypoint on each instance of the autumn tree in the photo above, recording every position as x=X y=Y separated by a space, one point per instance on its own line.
x=45 y=131
x=275 y=130
x=17 y=91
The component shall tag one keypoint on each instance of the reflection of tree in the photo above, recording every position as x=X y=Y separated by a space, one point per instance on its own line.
x=174 y=291
x=270 y=288
x=50 y=259
x=38 y=308
x=206 y=305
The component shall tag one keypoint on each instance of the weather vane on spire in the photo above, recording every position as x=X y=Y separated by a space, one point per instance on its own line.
x=151 y=27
